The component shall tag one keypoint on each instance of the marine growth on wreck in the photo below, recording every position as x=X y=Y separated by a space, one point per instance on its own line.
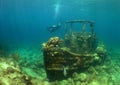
x=76 y=52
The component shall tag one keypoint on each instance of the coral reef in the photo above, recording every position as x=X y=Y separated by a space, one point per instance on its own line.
x=18 y=70
x=10 y=74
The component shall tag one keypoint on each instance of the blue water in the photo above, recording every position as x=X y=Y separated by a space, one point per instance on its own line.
x=25 y=21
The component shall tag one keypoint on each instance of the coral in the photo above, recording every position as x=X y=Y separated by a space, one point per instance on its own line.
x=64 y=82
x=83 y=77
x=15 y=56
x=34 y=73
x=46 y=83
x=80 y=77
x=70 y=81
x=75 y=76
x=11 y=75
x=95 y=83
x=53 y=42
x=78 y=83
x=101 y=49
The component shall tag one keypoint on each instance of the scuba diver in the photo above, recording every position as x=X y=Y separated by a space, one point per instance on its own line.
x=54 y=28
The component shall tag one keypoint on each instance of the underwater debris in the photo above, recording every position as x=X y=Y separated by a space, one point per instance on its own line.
x=78 y=50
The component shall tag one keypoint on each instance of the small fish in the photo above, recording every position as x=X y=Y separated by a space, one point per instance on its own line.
x=64 y=71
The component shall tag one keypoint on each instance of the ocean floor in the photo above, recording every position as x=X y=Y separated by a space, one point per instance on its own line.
x=24 y=66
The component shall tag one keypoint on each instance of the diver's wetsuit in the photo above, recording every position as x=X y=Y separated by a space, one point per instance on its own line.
x=54 y=28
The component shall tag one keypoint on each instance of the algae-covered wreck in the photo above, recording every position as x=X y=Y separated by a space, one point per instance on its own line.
x=77 y=51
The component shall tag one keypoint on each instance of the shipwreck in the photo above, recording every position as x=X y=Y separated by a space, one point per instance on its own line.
x=77 y=51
